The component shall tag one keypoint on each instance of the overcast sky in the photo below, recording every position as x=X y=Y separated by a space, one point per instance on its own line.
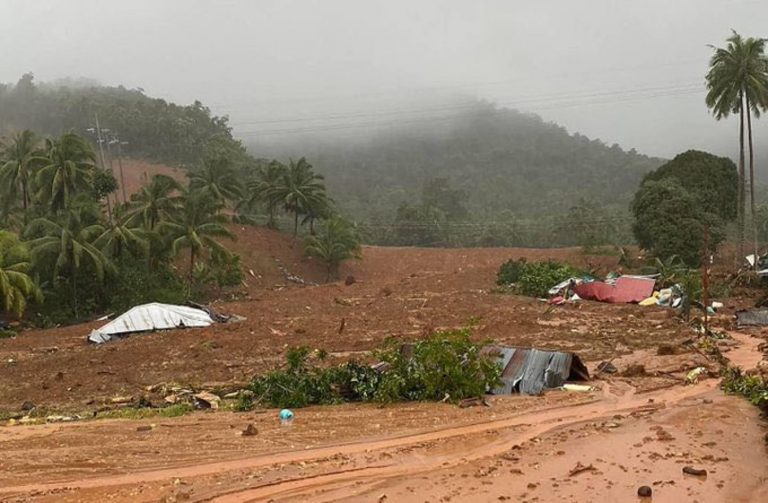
x=625 y=71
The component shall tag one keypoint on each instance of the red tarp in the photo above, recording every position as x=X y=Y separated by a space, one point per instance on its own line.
x=626 y=290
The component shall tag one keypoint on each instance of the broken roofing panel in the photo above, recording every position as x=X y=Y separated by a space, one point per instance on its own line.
x=530 y=371
x=148 y=317
x=752 y=318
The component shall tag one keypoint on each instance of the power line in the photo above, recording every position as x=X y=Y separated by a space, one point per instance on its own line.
x=546 y=106
x=469 y=104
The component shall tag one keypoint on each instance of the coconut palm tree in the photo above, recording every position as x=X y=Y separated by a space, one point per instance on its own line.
x=299 y=189
x=336 y=243
x=122 y=235
x=195 y=226
x=155 y=201
x=262 y=188
x=737 y=82
x=20 y=155
x=217 y=178
x=68 y=243
x=69 y=168
x=16 y=286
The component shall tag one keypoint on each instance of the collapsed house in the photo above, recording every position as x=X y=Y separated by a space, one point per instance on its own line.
x=530 y=371
x=151 y=317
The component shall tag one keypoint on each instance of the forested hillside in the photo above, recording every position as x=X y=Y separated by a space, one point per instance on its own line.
x=485 y=176
x=148 y=127
x=504 y=168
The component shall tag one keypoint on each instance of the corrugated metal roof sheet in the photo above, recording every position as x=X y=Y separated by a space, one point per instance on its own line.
x=148 y=317
x=752 y=318
x=530 y=371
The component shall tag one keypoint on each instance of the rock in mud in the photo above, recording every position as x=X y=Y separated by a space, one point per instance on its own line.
x=350 y=280
x=644 y=492
x=250 y=431
x=634 y=370
x=665 y=350
x=27 y=406
x=696 y=472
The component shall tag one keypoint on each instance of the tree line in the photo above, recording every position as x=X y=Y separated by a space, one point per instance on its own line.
x=66 y=242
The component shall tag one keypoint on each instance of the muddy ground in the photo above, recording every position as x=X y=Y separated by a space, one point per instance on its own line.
x=631 y=431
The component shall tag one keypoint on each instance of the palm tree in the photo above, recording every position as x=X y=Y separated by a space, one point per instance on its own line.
x=262 y=188
x=299 y=189
x=154 y=202
x=217 y=178
x=737 y=82
x=68 y=242
x=196 y=226
x=68 y=169
x=21 y=155
x=336 y=243
x=16 y=286
x=121 y=235
x=319 y=208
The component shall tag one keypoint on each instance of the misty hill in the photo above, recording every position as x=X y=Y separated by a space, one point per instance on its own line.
x=502 y=160
x=153 y=128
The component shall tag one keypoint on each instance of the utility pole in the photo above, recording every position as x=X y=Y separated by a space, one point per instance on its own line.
x=705 y=280
x=120 y=166
x=100 y=142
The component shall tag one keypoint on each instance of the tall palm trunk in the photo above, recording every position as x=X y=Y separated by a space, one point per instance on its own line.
x=295 y=223
x=24 y=198
x=742 y=183
x=753 y=209
x=191 y=261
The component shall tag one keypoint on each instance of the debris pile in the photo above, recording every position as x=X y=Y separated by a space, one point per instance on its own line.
x=530 y=371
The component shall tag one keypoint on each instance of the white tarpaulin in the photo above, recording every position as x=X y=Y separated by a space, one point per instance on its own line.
x=148 y=317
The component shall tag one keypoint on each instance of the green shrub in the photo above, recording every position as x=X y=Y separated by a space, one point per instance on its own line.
x=443 y=365
x=509 y=272
x=7 y=333
x=534 y=278
x=538 y=277
x=753 y=388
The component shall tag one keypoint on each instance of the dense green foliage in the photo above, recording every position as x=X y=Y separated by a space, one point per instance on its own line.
x=87 y=255
x=444 y=366
x=534 y=278
x=679 y=202
x=712 y=180
x=151 y=127
x=16 y=285
x=485 y=177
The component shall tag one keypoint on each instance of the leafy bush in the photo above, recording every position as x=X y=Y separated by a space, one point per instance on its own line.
x=534 y=278
x=443 y=365
x=7 y=333
x=509 y=272
x=538 y=277
x=753 y=388
x=669 y=220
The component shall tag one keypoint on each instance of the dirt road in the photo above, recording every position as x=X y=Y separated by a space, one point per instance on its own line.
x=577 y=447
